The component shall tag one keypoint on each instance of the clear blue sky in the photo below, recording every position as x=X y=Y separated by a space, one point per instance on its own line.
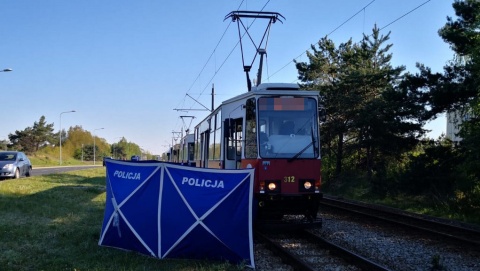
x=125 y=66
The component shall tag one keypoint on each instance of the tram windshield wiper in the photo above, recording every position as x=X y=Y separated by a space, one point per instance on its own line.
x=312 y=142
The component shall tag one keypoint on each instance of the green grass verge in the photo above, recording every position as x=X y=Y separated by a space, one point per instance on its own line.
x=359 y=189
x=53 y=222
x=41 y=160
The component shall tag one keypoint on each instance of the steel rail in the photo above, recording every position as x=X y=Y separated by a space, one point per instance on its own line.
x=299 y=264
x=287 y=257
x=453 y=232
x=351 y=257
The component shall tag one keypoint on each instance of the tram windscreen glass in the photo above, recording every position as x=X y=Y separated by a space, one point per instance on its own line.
x=288 y=127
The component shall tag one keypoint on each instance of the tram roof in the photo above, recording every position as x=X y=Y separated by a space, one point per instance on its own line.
x=272 y=88
x=276 y=86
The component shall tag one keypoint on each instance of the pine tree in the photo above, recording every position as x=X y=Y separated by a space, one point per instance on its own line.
x=32 y=138
x=370 y=118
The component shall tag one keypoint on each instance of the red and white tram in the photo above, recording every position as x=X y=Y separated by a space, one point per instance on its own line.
x=273 y=128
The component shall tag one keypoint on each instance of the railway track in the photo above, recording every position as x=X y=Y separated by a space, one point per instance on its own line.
x=463 y=235
x=306 y=251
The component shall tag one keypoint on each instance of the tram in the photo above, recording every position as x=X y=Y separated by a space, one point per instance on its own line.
x=186 y=150
x=273 y=128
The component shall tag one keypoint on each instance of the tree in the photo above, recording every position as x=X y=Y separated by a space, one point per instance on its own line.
x=32 y=138
x=386 y=122
x=458 y=88
x=119 y=150
x=370 y=116
x=325 y=72
x=43 y=133
x=3 y=145
x=431 y=171
x=75 y=141
x=463 y=35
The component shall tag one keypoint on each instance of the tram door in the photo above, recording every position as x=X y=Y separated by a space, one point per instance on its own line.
x=233 y=135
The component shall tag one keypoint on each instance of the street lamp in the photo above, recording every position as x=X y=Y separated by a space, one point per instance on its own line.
x=61 y=131
x=6 y=70
x=94 y=143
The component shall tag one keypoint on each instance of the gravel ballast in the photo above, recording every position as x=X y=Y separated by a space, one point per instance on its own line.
x=396 y=248
x=391 y=246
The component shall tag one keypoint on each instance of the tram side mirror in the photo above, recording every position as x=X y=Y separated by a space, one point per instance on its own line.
x=228 y=127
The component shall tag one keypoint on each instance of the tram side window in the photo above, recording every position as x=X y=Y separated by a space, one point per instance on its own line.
x=197 y=145
x=190 y=151
x=204 y=148
x=216 y=151
x=215 y=139
x=231 y=148
x=234 y=140
x=183 y=152
x=251 y=129
x=211 y=148
x=218 y=136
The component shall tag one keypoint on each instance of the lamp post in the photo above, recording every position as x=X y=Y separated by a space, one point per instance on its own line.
x=71 y=111
x=94 y=143
x=6 y=70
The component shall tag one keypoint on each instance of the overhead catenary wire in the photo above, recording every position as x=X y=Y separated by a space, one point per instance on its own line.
x=211 y=55
x=206 y=63
x=226 y=58
x=331 y=32
x=387 y=25
x=351 y=17
x=399 y=18
x=290 y=62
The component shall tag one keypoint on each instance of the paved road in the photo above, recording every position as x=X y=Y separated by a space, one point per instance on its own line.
x=53 y=170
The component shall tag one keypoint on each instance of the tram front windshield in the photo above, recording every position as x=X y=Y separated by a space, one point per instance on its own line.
x=288 y=127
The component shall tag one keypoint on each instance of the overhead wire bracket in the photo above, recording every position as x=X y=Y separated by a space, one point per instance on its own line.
x=187 y=128
x=237 y=16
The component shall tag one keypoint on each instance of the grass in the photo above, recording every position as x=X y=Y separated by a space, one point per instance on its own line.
x=53 y=222
x=43 y=160
x=358 y=189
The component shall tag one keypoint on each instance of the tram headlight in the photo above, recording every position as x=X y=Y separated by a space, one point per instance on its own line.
x=272 y=186
x=306 y=185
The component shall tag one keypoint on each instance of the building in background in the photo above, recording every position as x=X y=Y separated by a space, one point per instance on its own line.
x=454 y=122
